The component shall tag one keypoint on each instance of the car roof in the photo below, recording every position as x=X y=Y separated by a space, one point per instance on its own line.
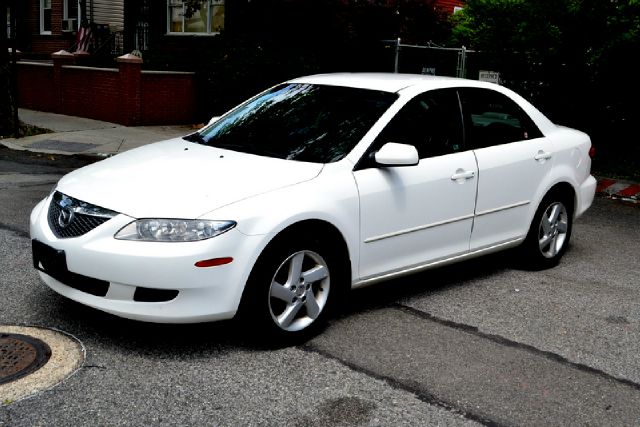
x=386 y=82
x=417 y=83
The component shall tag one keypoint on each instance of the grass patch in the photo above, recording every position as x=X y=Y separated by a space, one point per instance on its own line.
x=25 y=130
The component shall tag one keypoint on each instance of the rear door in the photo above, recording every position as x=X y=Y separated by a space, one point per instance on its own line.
x=513 y=158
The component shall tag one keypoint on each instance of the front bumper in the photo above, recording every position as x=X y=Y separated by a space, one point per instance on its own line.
x=204 y=294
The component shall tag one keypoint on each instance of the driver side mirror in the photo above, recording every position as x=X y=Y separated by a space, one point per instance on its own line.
x=213 y=120
x=394 y=154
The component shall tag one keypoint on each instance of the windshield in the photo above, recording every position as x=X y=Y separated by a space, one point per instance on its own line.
x=310 y=123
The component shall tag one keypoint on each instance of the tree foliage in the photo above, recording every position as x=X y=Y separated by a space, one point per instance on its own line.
x=269 y=41
x=574 y=58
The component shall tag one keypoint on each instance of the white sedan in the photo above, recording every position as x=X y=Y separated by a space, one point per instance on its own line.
x=313 y=187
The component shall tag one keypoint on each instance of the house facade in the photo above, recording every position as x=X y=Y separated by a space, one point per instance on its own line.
x=450 y=6
x=120 y=26
x=82 y=78
x=46 y=26
x=116 y=26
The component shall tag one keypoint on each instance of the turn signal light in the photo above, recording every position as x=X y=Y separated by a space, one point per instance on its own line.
x=214 y=262
x=592 y=152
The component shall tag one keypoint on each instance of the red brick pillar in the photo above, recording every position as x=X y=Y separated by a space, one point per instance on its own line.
x=130 y=89
x=60 y=58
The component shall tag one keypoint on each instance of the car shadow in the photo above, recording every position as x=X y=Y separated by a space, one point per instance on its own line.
x=97 y=329
x=428 y=282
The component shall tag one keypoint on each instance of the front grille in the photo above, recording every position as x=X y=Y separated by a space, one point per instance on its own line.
x=81 y=224
x=69 y=217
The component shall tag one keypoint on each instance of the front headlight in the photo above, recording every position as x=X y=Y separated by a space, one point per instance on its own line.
x=173 y=230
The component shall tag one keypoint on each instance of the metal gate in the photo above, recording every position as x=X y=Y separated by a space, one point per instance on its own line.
x=431 y=59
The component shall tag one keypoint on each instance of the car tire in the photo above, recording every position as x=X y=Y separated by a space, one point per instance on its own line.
x=292 y=290
x=549 y=233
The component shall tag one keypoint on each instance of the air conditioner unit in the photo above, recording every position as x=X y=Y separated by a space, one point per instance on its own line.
x=69 y=25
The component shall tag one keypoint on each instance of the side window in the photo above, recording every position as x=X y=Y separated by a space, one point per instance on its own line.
x=491 y=118
x=431 y=122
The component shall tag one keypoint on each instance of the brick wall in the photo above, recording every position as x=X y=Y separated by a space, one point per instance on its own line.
x=168 y=95
x=34 y=83
x=449 y=5
x=46 y=44
x=124 y=95
x=56 y=17
x=92 y=93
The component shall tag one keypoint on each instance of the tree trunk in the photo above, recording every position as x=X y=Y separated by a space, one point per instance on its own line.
x=8 y=125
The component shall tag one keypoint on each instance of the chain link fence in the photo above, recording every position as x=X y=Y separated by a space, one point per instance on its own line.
x=437 y=60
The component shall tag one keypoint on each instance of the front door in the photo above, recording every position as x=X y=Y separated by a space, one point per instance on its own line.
x=413 y=215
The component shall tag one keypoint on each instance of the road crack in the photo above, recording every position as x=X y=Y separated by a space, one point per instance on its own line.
x=420 y=394
x=18 y=232
x=514 y=344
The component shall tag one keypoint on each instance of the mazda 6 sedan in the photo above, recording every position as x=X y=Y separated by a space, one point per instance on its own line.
x=321 y=184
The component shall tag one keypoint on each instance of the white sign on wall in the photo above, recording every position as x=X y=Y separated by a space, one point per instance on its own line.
x=489 y=76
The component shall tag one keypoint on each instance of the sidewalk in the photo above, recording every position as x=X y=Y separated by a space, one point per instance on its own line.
x=77 y=135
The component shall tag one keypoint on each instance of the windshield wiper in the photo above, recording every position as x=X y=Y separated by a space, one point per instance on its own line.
x=195 y=137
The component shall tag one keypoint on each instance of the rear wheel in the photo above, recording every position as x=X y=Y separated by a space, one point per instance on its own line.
x=549 y=233
x=553 y=230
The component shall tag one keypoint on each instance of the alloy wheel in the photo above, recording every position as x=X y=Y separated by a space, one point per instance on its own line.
x=552 y=233
x=299 y=290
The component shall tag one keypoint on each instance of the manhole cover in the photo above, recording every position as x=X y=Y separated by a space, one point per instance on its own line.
x=21 y=355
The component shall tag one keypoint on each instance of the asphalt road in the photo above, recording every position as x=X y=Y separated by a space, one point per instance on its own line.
x=477 y=343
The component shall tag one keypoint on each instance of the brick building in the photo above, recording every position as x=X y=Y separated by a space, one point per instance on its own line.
x=450 y=6
x=122 y=91
x=46 y=26
x=120 y=26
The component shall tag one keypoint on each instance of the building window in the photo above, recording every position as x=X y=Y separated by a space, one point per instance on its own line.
x=195 y=16
x=70 y=22
x=45 y=16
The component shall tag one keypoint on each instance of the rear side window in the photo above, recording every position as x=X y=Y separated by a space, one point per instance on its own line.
x=431 y=122
x=492 y=118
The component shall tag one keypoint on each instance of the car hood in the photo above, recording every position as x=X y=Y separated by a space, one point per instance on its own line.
x=180 y=179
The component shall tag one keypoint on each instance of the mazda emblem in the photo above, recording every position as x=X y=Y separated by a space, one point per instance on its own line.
x=66 y=217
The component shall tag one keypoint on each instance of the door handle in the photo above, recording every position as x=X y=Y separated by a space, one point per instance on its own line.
x=542 y=156
x=462 y=175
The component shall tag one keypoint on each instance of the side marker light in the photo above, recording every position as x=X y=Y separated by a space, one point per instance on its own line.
x=214 y=262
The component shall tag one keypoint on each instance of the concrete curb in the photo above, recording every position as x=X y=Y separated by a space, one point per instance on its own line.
x=623 y=190
x=67 y=357
x=77 y=135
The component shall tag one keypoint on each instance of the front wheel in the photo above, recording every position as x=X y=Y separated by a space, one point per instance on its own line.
x=291 y=290
x=299 y=290
x=549 y=233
